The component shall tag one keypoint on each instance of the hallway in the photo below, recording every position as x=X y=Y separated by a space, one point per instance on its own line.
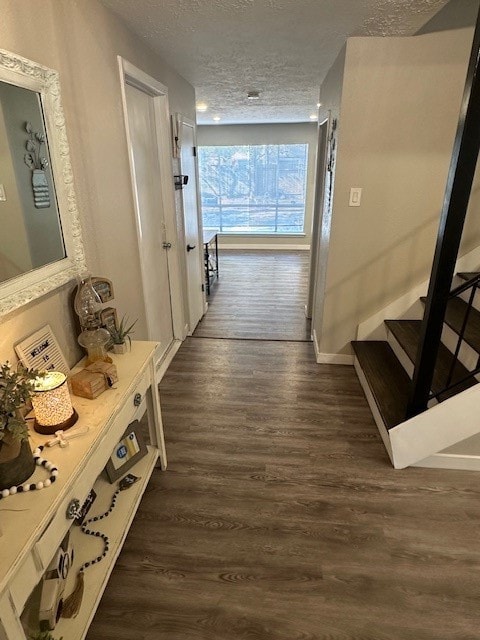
x=280 y=517
x=260 y=295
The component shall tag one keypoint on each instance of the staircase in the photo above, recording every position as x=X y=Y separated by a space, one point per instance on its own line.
x=385 y=369
x=421 y=383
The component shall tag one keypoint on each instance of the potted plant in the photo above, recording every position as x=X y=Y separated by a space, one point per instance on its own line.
x=16 y=459
x=43 y=635
x=121 y=334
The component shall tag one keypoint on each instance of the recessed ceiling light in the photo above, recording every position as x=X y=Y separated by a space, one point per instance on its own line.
x=202 y=107
x=313 y=116
x=253 y=95
x=217 y=118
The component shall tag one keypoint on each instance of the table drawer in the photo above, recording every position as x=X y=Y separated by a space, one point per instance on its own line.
x=133 y=407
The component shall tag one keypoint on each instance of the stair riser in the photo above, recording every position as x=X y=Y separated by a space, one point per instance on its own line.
x=467 y=356
x=404 y=360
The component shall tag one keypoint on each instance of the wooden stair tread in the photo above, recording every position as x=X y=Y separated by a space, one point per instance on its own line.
x=468 y=275
x=407 y=334
x=456 y=309
x=387 y=379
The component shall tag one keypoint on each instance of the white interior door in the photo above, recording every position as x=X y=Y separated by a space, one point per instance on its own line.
x=144 y=156
x=193 y=238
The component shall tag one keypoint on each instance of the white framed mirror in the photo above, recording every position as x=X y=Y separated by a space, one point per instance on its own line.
x=41 y=244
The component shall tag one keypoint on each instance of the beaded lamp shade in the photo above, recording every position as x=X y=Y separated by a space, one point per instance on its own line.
x=52 y=404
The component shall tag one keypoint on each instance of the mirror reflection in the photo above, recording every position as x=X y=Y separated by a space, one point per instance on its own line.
x=30 y=229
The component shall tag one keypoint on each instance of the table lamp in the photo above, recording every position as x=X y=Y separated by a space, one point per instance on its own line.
x=52 y=404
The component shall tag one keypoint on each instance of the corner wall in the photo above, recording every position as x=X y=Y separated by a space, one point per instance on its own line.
x=399 y=112
x=81 y=39
x=301 y=133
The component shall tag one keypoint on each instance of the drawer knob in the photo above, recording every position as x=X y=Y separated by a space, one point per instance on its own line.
x=137 y=399
x=73 y=509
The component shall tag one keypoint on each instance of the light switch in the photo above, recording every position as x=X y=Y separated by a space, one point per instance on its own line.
x=3 y=197
x=355 y=197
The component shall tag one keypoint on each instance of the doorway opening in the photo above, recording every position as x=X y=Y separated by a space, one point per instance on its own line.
x=257 y=187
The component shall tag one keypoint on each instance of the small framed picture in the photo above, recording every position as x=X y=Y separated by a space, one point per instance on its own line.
x=126 y=453
x=108 y=318
x=104 y=288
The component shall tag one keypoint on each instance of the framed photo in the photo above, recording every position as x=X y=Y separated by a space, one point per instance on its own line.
x=108 y=318
x=104 y=288
x=126 y=453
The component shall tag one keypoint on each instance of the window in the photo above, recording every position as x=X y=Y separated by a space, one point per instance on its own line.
x=254 y=188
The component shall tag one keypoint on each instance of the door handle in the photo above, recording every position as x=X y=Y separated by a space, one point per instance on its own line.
x=167 y=245
x=190 y=247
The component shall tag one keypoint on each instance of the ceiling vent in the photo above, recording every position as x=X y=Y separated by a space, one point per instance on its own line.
x=253 y=95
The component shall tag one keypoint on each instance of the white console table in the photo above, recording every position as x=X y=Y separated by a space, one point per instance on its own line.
x=32 y=525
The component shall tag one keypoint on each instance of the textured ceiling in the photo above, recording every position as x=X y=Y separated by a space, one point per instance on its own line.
x=282 y=48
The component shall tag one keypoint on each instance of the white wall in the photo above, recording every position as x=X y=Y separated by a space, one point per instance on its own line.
x=399 y=112
x=303 y=133
x=330 y=99
x=81 y=39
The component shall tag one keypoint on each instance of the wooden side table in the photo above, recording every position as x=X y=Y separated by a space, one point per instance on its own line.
x=31 y=534
x=210 y=252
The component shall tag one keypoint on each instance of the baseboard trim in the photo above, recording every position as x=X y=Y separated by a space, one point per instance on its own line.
x=162 y=365
x=265 y=247
x=450 y=461
x=329 y=358
x=315 y=345
x=334 y=358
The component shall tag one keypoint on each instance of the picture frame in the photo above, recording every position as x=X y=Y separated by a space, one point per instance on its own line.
x=41 y=350
x=104 y=288
x=108 y=318
x=130 y=449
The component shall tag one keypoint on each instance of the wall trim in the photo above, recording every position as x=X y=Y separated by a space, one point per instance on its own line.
x=330 y=358
x=315 y=345
x=335 y=358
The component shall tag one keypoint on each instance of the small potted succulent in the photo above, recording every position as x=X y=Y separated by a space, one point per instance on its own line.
x=16 y=459
x=120 y=334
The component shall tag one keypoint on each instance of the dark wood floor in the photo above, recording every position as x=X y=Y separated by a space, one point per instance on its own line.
x=280 y=517
x=259 y=295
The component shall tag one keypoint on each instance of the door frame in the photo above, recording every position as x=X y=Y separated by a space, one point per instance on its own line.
x=320 y=176
x=183 y=120
x=324 y=230
x=129 y=74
